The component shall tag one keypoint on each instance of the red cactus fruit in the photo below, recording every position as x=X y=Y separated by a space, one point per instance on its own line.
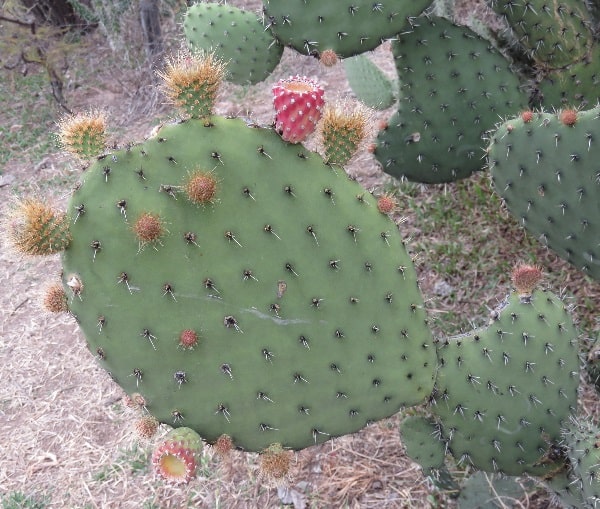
x=568 y=117
x=525 y=278
x=188 y=339
x=201 y=188
x=176 y=457
x=527 y=116
x=386 y=204
x=298 y=105
x=274 y=465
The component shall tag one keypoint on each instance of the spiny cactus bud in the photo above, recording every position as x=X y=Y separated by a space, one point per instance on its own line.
x=386 y=204
x=223 y=445
x=328 y=58
x=201 y=188
x=525 y=279
x=83 y=134
x=191 y=82
x=527 y=116
x=55 y=299
x=568 y=117
x=35 y=228
x=188 y=339
x=275 y=464
x=342 y=129
x=135 y=401
x=176 y=456
x=298 y=105
x=146 y=427
x=148 y=228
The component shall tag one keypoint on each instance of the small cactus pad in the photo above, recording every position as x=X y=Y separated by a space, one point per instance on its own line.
x=420 y=437
x=546 y=171
x=298 y=103
x=454 y=86
x=284 y=310
x=235 y=36
x=503 y=392
x=554 y=33
x=368 y=82
x=344 y=27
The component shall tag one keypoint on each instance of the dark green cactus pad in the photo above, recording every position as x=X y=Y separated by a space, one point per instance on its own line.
x=305 y=304
x=575 y=86
x=503 y=392
x=368 y=82
x=553 y=33
x=237 y=37
x=453 y=88
x=547 y=173
x=346 y=27
x=488 y=491
x=420 y=437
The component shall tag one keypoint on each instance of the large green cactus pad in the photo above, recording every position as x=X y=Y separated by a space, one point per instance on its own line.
x=547 y=172
x=453 y=88
x=503 y=392
x=304 y=302
x=346 y=27
x=237 y=37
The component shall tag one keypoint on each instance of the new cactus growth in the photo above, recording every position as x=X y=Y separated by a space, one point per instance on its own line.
x=83 y=134
x=342 y=130
x=298 y=103
x=546 y=172
x=236 y=37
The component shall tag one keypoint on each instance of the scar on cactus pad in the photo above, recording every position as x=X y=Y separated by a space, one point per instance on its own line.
x=298 y=105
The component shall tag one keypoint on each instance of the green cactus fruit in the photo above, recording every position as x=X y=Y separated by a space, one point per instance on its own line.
x=575 y=86
x=235 y=36
x=346 y=28
x=35 y=228
x=342 y=130
x=454 y=86
x=420 y=437
x=282 y=309
x=544 y=166
x=552 y=33
x=503 y=392
x=369 y=84
x=582 y=444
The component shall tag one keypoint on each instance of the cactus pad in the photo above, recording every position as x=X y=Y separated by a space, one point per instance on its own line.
x=235 y=36
x=345 y=27
x=546 y=170
x=284 y=310
x=454 y=86
x=503 y=392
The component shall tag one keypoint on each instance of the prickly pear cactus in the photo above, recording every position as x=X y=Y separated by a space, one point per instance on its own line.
x=553 y=33
x=235 y=36
x=344 y=27
x=243 y=287
x=503 y=392
x=545 y=167
x=419 y=437
x=368 y=82
x=453 y=88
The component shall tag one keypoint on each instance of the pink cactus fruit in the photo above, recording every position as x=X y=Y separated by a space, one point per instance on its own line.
x=298 y=105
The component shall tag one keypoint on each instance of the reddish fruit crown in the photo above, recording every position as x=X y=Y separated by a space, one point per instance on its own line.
x=298 y=105
x=174 y=461
x=568 y=117
x=386 y=204
x=525 y=278
x=527 y=116
x=188 y=338
x=201 y=188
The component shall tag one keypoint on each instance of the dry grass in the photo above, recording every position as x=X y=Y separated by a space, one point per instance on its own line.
x=63 y=429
